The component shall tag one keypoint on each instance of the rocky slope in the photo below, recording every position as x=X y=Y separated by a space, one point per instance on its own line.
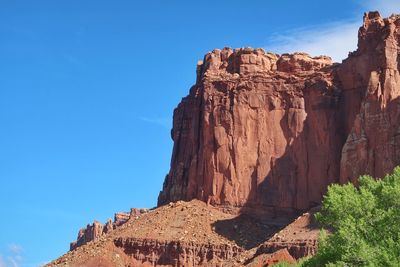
x=258 y=140
x=300 y=238
x=179 y=234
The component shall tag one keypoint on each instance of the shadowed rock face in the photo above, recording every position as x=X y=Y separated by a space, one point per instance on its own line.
x=264 y=134
x=257 y=130
x=370 y=82
x=268 y=132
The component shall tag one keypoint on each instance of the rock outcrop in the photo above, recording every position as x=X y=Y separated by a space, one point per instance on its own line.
x=179 y=234
x=259 y=131
x=266 y=260
x=300 y=238
x=91 y=232
x=177 y=253
x=261 y=134
x=195 y=234
x=370 y=83
x=94 y=231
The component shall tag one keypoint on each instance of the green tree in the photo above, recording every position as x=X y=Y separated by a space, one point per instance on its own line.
x=364 y=222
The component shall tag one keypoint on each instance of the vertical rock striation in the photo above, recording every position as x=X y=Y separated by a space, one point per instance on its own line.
x=261 y=133
x=257 y=129
x=370 y=82
x=269 y=132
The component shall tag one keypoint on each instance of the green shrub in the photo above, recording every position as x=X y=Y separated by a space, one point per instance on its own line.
x=284 y=264
x=364 y=221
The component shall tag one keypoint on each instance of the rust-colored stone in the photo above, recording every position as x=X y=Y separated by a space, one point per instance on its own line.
x=263 y=132
x=370 y=81
x=300 y=238
x=257 y=130
x=281 y=255
x=94 y=231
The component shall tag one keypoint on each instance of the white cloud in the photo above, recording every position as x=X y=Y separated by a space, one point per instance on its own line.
x=335 y=40
x=385 y=7
x=2 y=263
x=14 y=257
x=13 y=261
x=164 y=122
x=15 y=248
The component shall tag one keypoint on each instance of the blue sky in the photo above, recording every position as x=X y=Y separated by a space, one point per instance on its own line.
x=87 y=90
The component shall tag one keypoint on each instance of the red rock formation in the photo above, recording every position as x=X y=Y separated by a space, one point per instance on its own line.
x=180 y=234
x=300 y=238
x=263 y=131
x=193 y=234
x=176 y=253
x=266 y=133
x=370 y=82
x=281 y=255
x=121 y=217
x=257 y=130
x=90 y=233
x=94 y=231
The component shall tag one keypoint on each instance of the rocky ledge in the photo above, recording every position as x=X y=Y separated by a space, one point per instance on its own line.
x=184 y=234
x=256 y=143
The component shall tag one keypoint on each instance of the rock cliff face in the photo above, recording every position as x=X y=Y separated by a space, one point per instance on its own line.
x=268 y=132
x=370 y=83
x=176 y=253
x=257 y=129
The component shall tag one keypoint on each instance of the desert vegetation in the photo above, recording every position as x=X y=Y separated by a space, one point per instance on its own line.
x=363 y=222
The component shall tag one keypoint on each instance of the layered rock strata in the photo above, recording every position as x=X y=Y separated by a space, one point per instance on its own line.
x=179 y=234
x=300 y=238
x=257 y=130
x=370 y=83
x=264 y=132
x=95 y=230
x=177 y=253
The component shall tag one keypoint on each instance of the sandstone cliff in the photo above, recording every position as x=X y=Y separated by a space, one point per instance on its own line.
x=269 y=132
x=370 y=83
x=261 y=134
